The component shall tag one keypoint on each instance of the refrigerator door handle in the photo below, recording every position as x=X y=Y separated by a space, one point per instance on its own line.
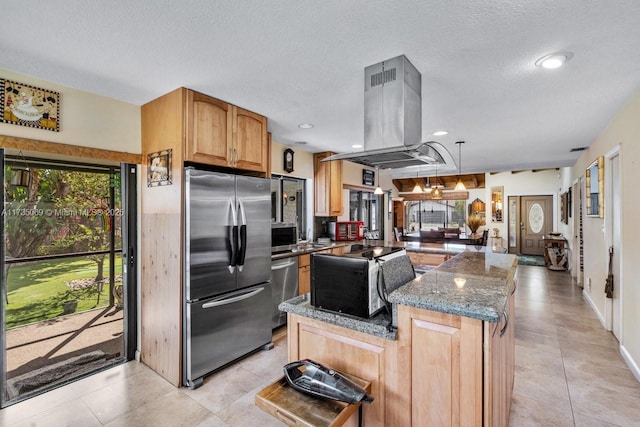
x=243 y=235
x=231 y=300
x=233 y=237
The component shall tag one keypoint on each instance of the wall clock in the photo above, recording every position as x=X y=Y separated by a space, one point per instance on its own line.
x=288 y=160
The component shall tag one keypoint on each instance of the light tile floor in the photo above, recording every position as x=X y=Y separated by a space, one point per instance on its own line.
x=568 y=372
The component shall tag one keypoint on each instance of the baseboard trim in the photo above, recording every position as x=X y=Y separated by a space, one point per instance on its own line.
x=630 y=362
x=594 y=308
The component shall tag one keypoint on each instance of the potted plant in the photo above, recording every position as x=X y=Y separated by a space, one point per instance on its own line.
x=69 y=306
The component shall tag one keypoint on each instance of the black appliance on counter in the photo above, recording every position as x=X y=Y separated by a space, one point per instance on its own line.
x=348 y=283
x=227 y=289
x=283 y=234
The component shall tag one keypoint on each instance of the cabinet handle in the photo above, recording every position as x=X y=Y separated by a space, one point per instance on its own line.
x=235 y=155
x=230 y=156
x=506 y=322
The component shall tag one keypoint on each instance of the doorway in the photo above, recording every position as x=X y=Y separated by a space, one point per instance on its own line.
x=67 y=304
x=530 y=219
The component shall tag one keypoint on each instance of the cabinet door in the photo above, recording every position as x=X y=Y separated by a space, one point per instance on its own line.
x=209 y=130
x=250 y=141
x=328 y=185
x=304 y=280
x=304 y=274
x=446 y=368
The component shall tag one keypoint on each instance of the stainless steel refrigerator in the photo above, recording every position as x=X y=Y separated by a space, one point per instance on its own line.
x=227 y=271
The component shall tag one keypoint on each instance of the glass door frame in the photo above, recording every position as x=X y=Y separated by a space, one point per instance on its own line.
x=128 y=196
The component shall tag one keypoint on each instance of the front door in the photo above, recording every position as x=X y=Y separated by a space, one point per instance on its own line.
x=533 y=219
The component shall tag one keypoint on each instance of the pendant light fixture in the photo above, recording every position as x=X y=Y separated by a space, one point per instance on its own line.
x=460 y=185
x=378 y=191
x=417 y=188
x=20 y=176
x=436 y=192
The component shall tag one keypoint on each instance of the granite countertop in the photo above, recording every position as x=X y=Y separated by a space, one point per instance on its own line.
x=433 y=248
x=307 y=248
x=377 y=325
x=485 y=284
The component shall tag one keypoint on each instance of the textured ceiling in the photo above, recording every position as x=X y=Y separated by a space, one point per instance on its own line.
x=303 y=61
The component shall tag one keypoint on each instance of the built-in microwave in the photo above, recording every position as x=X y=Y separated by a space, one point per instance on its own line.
x=283 y=234
x=346 y=230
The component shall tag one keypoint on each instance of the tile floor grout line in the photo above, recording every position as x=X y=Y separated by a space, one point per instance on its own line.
x=564 y=369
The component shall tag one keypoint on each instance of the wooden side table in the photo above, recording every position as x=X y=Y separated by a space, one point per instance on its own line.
x=555 y=252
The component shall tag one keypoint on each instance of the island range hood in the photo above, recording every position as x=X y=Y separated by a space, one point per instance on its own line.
x=393 y=120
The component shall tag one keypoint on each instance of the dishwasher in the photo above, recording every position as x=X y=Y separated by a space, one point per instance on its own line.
x=284 y=286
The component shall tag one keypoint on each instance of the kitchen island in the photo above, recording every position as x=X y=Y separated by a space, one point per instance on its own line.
x=446 y=360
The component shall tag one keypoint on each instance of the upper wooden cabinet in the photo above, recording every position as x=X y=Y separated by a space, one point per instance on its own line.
x=328 y=185
x=220 y=134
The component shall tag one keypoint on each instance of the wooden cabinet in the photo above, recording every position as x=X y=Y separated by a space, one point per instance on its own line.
x=328 y=185
x=304 y=274
x=371 y=358
x=442 y=370
x=446 y=367
x=221 y=134
x=500 y=367
x=196 y=128
x=424 y=258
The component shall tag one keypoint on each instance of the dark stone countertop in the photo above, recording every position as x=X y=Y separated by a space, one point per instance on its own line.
x=471 y=284
x=377 y=325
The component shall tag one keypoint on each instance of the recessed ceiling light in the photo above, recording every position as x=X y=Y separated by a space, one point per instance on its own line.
x=356 y=146
x=305 y=125
x=300 y=143
x=440 y=133
x=554 y=60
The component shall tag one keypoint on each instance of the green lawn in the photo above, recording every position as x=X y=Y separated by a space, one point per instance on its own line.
x=36 y=290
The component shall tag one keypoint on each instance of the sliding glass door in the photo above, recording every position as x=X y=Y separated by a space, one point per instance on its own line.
x=66 y=282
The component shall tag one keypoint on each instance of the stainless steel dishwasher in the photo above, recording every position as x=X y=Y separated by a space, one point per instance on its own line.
x=284 y=286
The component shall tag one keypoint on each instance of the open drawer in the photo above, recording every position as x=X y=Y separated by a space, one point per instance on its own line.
x=298 y=409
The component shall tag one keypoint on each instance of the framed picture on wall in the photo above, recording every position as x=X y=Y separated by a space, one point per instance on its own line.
x=368 y=177
x=25 y=105
x=564 y=207
x=159 y=168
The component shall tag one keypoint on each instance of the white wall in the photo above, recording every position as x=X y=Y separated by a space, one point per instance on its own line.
x=525 y=183
x=86 y=119
x=622 y=131
x=302 y=168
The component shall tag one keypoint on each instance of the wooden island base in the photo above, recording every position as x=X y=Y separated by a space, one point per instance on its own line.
x=441 y=369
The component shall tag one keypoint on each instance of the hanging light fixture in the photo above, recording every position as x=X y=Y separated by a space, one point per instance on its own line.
x=417 y=188
x=436 y=192
x=378 y=191
x=19 y=176
x=460 y=185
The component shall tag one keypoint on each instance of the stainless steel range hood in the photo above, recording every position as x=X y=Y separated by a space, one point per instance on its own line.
x=393 y=120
